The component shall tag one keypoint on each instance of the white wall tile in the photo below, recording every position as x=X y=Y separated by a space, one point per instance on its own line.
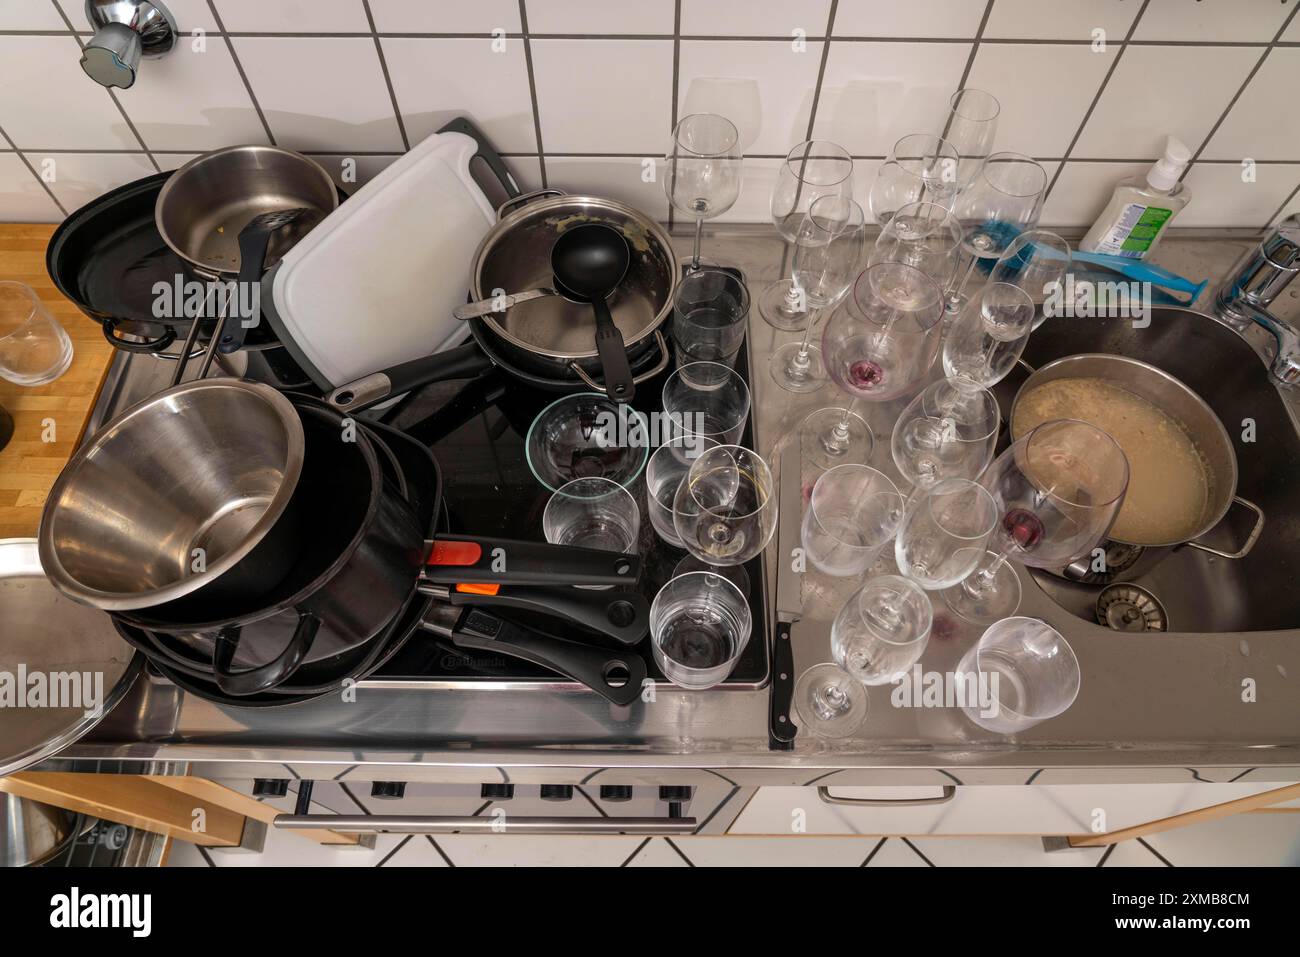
x=174 y=161
x=30 y=15
x=22 y=198
x=353 y=172
x=61 y=107
x=193 y=101
x=436 y=80
x=755 y=18
x=1039 y=118
x=1220 y=198
x=1082 y=191
x=77 y=178
x=1243 y=840
x=774 y=851
x=1212 y=21
x=1060 y=19
x=915 y=18
x=467 y=850
x=190 y=14
x=786 y=82
x=601 y=16
x=754 y=204
x=445 y=16
x=1259 y=126
x=1005 y=851
x=321 y=93
x=604 y=96
x=895 y=853
x=616 y=177
x=294 y=16
x=1160 y=90
x=875 y=93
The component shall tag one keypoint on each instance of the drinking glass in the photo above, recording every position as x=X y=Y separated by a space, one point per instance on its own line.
x=725 y=510
x=878 y=346
x=1056 y=491
x=663 y=475
x=945 y=532
x=827 y=254
x=971 y=126
x=1029 y=671
x=879 y=633
x=702 y=177
x=923 y=235
x=920 y=168
x=710 y=316
x=949 y=430
x=1037 y=262
x=593 y=513
x=707 y=400
x=699 y=626
x=852 y=515
x=1003 y=200
x=34 y=348
x=811 y=170
x=987 y=337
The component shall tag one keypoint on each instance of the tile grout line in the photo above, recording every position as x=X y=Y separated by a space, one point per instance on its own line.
x=532 y=91
x=673 y=844
x=917 y=851
x=437 y=847
x=388 y=80
x=631 y=857
x=821 y=70
x=1110 y=849
x=22 y=157
x=874 y=851
x=1166 y=861
x=400 y=844
x=1101 y=89
x=677 y=65
x=239 y=68
x=974 y=50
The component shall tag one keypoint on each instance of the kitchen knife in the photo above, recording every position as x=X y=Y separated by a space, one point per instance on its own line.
x=789 y=605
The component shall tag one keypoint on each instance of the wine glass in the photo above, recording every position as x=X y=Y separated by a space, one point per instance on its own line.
x=1030 y=671
x=924 y=235
x=920 y=168
x=703 y=170
x=1037 y=262
x=852 y=515
x=827 y=253
x=725 y=509
x=983 y=343
x=970 y=126
x=879 y=633
x=878 y=346
x=811 y=170
x=949 y=430
x=945 y=533
x=1003 y=200
x=1057 y=491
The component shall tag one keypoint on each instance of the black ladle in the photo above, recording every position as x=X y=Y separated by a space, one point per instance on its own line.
x=589 y=261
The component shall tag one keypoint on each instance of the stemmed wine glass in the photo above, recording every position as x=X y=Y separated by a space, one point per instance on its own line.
x=811 y=170
x=828 y=251
x=702 y=179
x=924 y=235
x=989 y=334
x=1003 y=200
x=950 y=430
x=920 y=168
x=1058 y=490
x=1037 y=262
x=970 y=126
x=877 y=346
x=944 y=532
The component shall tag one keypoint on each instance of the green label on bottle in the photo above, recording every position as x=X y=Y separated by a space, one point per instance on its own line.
x=1143 y=232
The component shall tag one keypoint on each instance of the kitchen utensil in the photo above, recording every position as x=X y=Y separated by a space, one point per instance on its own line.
x=944 y=533
x=921 y=168
x=1056 y=492
x=971 y=126
x=702 y=177
x=32 y=833
x=706 y=401
x=590 y=261
x=811 y=170
x=34 y=348
x=254 y=239
x=587 y=435
x=699 y=626
x=710 y=316
x=852 y=515
x=148 y=512
x=781 y=729
x=827 y=254
x=499 y=303
x=1030 y=672
x=726 y=508
x=923 y=235
x=593 y=513
x=47 y=634
x=664 y=472
x=950 y=430
x=987 y=337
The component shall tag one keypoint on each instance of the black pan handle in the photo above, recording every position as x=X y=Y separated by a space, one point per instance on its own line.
x=617 y=675
x=623 y=616
x=457 y=559
x=463 y=362
x=614 y=367
x=146 y=347
x=263 y=677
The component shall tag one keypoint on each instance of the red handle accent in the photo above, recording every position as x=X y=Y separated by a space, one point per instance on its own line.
x=478 y=589
x=455 y=553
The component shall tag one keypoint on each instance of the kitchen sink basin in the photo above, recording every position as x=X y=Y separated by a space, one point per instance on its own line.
x=1200 y=592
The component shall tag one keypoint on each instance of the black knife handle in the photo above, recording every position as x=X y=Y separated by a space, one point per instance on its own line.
x=781 y=729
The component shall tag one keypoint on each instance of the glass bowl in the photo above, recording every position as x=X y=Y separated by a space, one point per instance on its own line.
x=587 y=435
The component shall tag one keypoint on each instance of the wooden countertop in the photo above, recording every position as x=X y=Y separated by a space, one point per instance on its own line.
x=28 y=464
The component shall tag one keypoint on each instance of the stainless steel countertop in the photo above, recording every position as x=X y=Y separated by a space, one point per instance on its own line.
x=1151 y=707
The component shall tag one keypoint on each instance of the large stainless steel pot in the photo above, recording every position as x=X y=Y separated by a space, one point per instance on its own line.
x=31 y=833
x=1127 y=560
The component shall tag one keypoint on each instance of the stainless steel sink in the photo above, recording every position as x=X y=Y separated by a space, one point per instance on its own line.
x=1199 y=592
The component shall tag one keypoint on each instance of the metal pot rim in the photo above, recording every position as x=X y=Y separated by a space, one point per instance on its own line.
x=1228 y=483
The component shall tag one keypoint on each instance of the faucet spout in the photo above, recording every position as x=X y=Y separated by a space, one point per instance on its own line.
x=1254 y=282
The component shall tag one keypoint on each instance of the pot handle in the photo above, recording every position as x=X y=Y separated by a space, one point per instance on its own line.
x=263 y=677
x=457 y=559
x=622 y=615
x=660 y=344
x=523 y=198
x=464 y=362
x=1251 y=539
x=149 y=346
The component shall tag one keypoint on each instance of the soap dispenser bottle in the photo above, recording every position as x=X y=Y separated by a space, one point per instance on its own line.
x=1142 y=207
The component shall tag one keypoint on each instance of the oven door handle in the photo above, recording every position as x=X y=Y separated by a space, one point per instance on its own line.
x=948 y=793
x=504 y=824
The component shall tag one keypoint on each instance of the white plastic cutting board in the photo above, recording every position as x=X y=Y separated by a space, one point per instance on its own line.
x=375 y=283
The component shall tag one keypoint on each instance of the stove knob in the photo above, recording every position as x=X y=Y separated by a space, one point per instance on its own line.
x=557 y=792
x=497 y=792
x=270 y=787
x=388 y=790
x=616 y=792
x=669 y=792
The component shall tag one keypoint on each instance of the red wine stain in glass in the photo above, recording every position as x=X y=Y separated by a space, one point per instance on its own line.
x=865 y=374
x=1023 y=526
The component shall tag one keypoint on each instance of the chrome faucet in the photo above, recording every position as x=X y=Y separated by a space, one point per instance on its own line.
x=1258 y=277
